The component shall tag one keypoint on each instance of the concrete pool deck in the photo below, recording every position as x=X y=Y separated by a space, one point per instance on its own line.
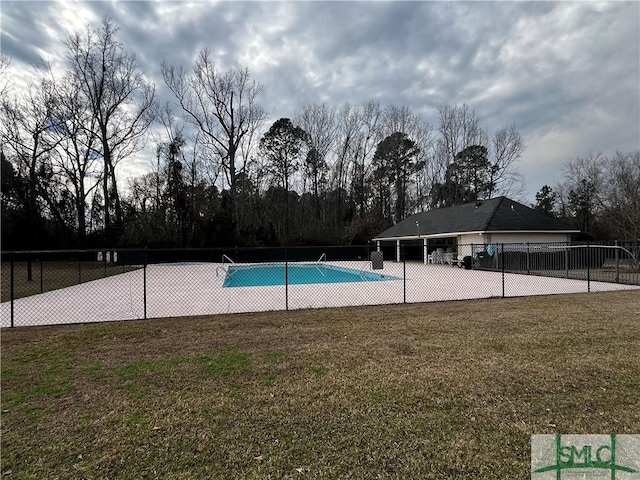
x=175 y=290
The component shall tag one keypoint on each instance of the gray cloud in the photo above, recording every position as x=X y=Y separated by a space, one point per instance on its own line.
x=567 y=73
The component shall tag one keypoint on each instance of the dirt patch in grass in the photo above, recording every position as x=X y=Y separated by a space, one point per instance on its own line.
x=448 y=390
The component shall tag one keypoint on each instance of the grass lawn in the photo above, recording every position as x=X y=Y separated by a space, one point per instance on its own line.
x=52 y=275
x=442 y=390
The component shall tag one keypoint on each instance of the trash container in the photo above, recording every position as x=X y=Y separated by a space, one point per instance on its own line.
x=484 y=260
x=468 y=260
x=377 y=260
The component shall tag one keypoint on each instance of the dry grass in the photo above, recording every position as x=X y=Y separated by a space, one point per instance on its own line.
x=52 y=275
x=449 y=390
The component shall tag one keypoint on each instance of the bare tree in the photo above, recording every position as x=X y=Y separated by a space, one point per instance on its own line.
x=364 y=147
x=77 y=157
x=119 y=97
x=622 y=193
x=223 y=107
x=601 y=194
x=505 y=149
x=349 y=124
x=592 y=168
x=459 y=128
x=582 y=195
x=319 y=123
x=26 y=126
x=399 y=119
x=247 y=177
x=5 y=82
x=402 y=119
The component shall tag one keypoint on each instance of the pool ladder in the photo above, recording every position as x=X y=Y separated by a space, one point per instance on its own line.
x=222 y=267
x=322 y=257
x=363 y=272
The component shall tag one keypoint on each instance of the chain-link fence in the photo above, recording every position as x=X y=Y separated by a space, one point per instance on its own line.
x=62 y=287
x=615 y=262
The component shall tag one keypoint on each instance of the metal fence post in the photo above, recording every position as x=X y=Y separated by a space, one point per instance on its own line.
x=617 y=251
x=12 y=291
x=79 y=271
x=286 y=280
x=589 y=267
x=41 y=276
x=472 y=255
x=502 y=261
x=404 y=276
x=144 y=283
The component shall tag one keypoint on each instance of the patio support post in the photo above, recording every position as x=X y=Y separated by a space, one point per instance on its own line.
x=397 y=250
x=424 y=251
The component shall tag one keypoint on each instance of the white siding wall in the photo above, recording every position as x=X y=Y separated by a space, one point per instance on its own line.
x=528 y=237
x=465 y=241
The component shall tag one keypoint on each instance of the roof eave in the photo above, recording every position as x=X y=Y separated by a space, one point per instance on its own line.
x=532 y=231
x=479 y=232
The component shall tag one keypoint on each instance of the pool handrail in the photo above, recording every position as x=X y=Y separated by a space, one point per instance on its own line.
x=324 y=255
x=227 y=257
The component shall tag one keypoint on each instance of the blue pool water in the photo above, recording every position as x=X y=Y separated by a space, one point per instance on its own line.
x=298 y=274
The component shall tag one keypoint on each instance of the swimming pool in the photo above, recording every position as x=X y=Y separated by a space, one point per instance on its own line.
x=297 y=274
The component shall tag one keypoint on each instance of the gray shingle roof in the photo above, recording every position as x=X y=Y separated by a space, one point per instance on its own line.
x=495 y=215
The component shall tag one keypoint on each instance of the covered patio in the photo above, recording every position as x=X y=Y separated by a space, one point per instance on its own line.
x=434 y=249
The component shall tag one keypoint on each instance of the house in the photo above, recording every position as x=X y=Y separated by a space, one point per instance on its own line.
x=493 y=221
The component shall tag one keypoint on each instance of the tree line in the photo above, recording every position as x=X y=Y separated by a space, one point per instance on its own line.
x=599 y=195
x=217 y=173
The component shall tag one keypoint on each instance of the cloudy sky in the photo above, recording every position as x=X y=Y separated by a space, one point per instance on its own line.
x=567 y=74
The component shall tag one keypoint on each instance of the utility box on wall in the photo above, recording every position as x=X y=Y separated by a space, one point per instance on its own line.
x=377 y=260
